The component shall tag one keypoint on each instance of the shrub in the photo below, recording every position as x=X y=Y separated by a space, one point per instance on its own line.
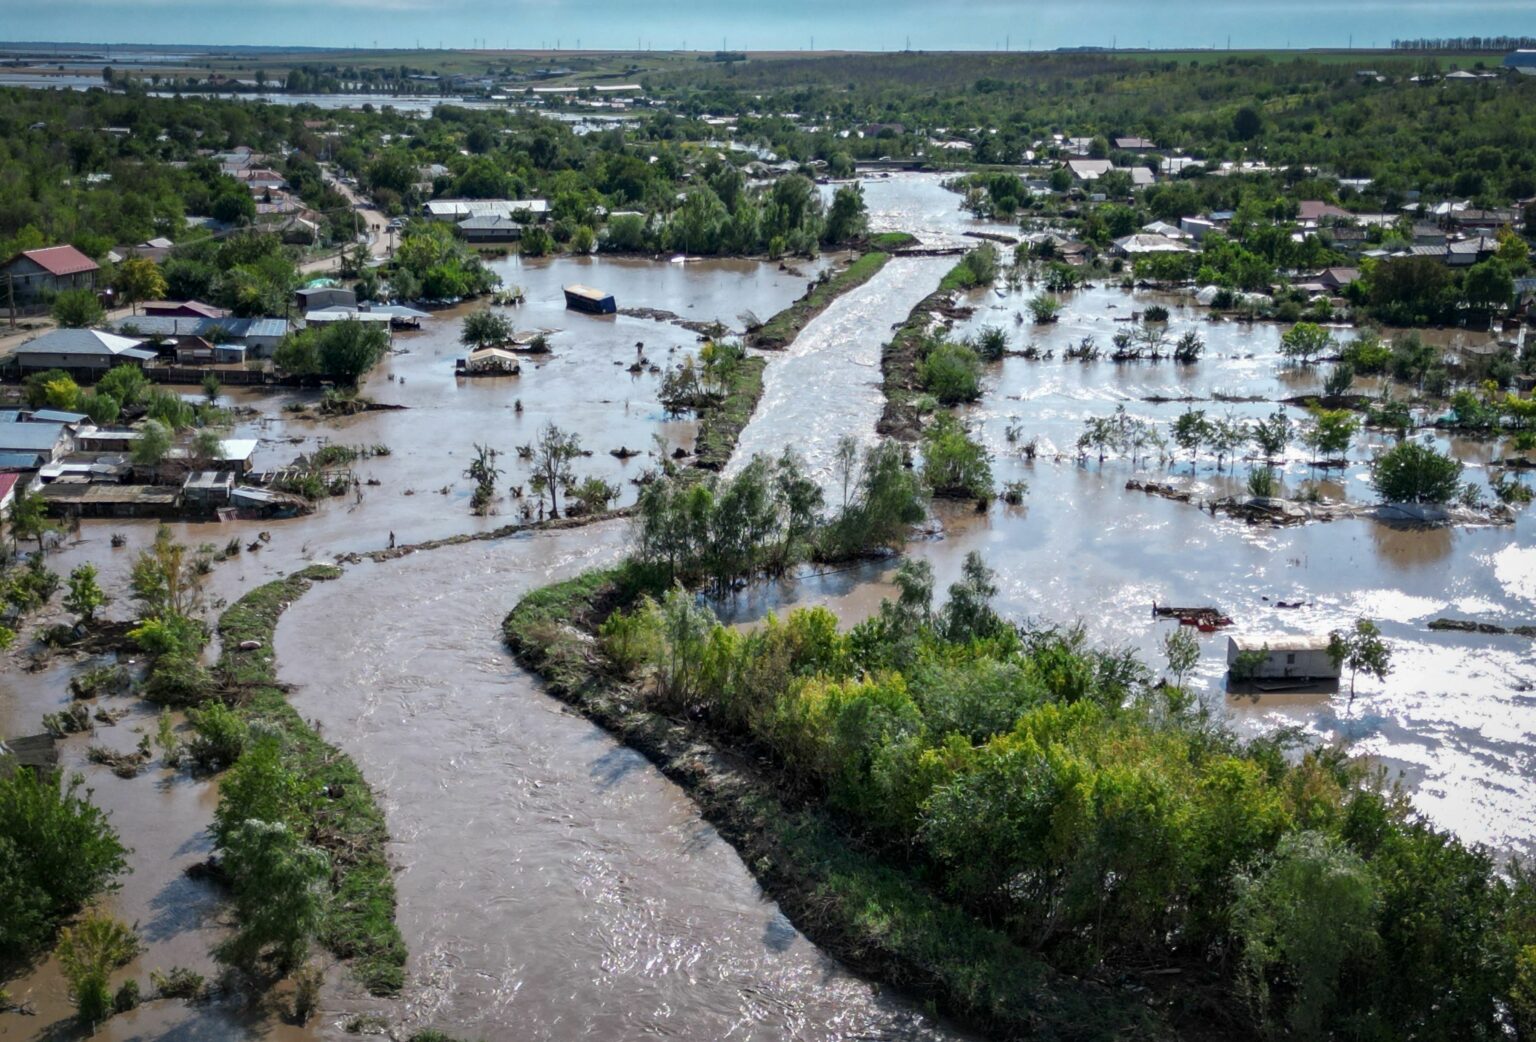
x=1045 y=308
x=954 y=464
x=179 y=680
x=952 y=373
x=990 y=344
x=88 y=953
x=219 y=735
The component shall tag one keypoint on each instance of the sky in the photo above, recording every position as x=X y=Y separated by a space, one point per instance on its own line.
x=753 y=25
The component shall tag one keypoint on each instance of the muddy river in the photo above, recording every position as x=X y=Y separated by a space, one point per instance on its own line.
x=552 y=885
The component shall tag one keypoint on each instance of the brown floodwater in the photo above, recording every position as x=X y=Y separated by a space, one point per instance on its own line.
x=552 y=884
x=1456 y=720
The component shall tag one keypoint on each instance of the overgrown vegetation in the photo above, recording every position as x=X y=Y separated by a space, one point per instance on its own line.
x=302 y=839
x=1027 y=793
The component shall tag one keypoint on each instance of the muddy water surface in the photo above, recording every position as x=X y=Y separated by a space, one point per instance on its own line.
x=1456 y=721
x=552 y=885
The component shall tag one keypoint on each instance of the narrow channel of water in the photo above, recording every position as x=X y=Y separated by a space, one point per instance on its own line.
x=827 y=383
x=552 y=884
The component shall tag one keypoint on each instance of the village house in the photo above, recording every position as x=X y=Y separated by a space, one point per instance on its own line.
x=313 y=298
x=1089 y=169
x=259 y=336
x=1313 y=213
x=490 y=228
x=86 y=353
x=1289 y=659
x=27 y=446
x=1134 y=144
x=36 y=274
x=1144 y=243
x=183 y=309
x=457 y=210
x=1329 y=280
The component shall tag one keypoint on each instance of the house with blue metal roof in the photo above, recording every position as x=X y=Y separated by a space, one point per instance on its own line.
x=88 y=352
x=259 y=336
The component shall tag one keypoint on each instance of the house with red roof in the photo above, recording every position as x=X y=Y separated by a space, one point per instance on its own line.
x=43 y=273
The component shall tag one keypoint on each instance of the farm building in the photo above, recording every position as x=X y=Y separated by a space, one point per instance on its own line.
x=1283 y=657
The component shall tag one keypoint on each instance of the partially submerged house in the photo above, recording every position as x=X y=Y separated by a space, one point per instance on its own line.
x=1280 y=660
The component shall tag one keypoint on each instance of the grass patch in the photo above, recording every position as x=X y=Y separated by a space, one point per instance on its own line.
x=780 y=330
x=720 y=425
x=360 y=919
x=869 y=910
x=889 y=241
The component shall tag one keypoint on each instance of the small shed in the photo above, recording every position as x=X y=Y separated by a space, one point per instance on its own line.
x=208 y=488
x=315 y=298
x=37 y=753
x=1285 y=657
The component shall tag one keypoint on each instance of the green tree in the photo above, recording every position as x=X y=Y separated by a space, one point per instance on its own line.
x=1360 y=648
x=57 y=851
x=954 y=463
x=1331 y=432
x=485 y=329
x=152 y=444
x=1489 y=286
x=136 y=279
x=279 y=886
x=848 y=218
x=85 y=596
x=1190 y=431
x=1301 y=919
x=126 y=383
x=346 y=351
x=1305 y=341
x=1183 y=653
x=30 y=520
x=78 y=309
x=1272 y=435
x=1411 y=472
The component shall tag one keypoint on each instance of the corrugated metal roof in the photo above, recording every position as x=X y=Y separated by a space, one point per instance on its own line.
x=61 y=260
x=30 y=437
x=79 y=342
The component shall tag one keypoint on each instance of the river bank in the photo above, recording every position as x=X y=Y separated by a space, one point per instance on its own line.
x=864 y=908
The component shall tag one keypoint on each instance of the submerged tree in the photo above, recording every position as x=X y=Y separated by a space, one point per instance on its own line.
x=1360 y=649
x=553 y=452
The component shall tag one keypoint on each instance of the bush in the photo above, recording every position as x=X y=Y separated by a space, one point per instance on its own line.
x=219 y=736
x=954 y=464
x=952 y=373
x=88 y=953
x=990 y=344
x=179 y=680
x=57 y=851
